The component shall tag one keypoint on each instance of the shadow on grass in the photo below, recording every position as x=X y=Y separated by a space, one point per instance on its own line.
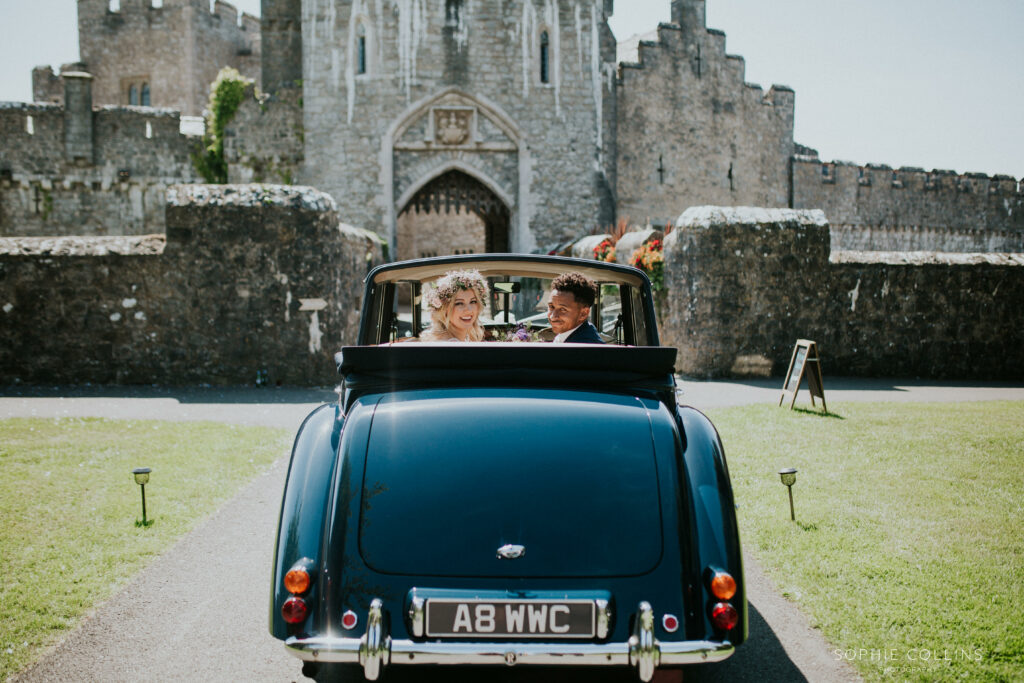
x=818 y=413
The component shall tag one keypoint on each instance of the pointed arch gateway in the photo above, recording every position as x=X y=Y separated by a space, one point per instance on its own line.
x=453 y=170
x=453 y=214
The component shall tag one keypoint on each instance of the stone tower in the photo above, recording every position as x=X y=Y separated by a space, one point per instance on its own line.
x=281 y=40
x=164 y=55
x=691 y=130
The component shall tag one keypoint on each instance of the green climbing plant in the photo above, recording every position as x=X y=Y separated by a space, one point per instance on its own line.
x=226 y=94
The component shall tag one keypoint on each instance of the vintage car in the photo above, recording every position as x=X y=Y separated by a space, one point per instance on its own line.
x=507 y=502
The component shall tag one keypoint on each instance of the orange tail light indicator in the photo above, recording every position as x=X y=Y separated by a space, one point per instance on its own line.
x=723 y=586
x=297 y=580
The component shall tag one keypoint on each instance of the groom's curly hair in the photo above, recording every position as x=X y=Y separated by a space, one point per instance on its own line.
x=582 y=288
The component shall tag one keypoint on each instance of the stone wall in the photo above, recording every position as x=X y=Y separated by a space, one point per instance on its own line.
x=249 y=282
x=111 y=181
x=742 y=285
x=263 y=143
x=176 y=49
x=691 y=131
x=878 y=208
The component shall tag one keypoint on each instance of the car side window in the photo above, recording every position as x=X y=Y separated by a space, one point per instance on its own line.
x=641 y=335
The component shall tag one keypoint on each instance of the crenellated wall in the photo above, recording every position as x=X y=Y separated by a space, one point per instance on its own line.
x=250 y=282
x=743 y=284
x=692 y=131
x=176 y=49
x=111 y=181
x=879 y=208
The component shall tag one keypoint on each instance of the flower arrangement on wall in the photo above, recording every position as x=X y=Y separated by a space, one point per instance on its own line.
x=650 y=258
x=605 y=251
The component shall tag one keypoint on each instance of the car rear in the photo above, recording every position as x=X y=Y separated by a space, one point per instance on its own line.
x=513 y=526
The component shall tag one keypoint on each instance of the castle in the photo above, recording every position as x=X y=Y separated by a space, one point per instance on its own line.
x=451 y=127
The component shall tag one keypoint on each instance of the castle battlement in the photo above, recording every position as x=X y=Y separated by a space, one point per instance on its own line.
x=88 y=170
x=906 y=177
x=875 y=206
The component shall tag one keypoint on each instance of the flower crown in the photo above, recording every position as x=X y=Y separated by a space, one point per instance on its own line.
x=452 y=282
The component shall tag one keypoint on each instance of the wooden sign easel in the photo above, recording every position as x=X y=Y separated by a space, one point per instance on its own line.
x=805 y=360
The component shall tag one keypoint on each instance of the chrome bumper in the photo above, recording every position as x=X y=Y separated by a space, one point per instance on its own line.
x=376 y=649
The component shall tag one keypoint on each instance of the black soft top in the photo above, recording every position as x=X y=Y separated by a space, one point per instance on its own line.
x=408 y=364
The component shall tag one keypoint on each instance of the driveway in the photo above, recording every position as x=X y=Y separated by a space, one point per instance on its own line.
x=199 y=611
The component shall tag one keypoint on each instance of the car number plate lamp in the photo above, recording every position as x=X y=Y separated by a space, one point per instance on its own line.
x=141 y=478
x=788 y=476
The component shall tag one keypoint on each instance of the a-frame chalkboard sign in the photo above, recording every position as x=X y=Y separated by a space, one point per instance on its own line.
x=805 y=361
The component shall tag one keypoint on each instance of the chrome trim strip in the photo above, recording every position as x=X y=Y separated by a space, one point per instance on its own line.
x=346 y=650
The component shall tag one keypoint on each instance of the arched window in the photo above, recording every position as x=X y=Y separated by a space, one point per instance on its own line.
x=133 y=95
x=361 y=48
x=145 y=95
x=452 y=8
x=545 y=57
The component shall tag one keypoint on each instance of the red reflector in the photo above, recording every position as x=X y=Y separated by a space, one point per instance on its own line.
x=670 y=622
x=294 y=610
x=349 y=620
x=724 y=616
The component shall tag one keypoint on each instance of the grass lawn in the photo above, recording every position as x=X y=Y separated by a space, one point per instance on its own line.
x=908 y=549
x=69 y=506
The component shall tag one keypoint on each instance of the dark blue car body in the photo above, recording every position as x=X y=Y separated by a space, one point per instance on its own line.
x=507 y=503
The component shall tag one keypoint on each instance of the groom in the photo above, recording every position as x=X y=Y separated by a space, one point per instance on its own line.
x=572 y=295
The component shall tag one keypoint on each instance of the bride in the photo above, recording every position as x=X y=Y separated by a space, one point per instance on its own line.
x=456 y=300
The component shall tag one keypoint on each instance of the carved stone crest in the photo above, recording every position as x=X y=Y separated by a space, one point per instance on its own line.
x=451 y=126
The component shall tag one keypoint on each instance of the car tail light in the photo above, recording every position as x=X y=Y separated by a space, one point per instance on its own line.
x=724 y=616
x=294 y=610
x=297 y=580
x=349 y=620
x=670 y=623
x=723 y=586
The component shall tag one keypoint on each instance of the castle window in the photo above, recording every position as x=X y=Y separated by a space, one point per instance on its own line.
x=863 y=177
x=133 y=95
x=144 y=101
x=828 y=173
x=545 y=58
x=114 y=6
x=897 y=181
x=361 y=49
x=149 y=130
x=451 y=12
x=30 y=126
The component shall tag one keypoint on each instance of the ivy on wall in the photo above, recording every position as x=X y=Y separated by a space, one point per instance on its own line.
x=226 y=94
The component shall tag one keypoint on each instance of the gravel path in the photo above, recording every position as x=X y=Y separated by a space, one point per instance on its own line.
x=199 y=611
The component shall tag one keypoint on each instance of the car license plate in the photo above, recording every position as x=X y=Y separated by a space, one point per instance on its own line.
x=453 y=618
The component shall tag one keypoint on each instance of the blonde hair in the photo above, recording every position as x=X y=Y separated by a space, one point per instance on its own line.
x=440 y=296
